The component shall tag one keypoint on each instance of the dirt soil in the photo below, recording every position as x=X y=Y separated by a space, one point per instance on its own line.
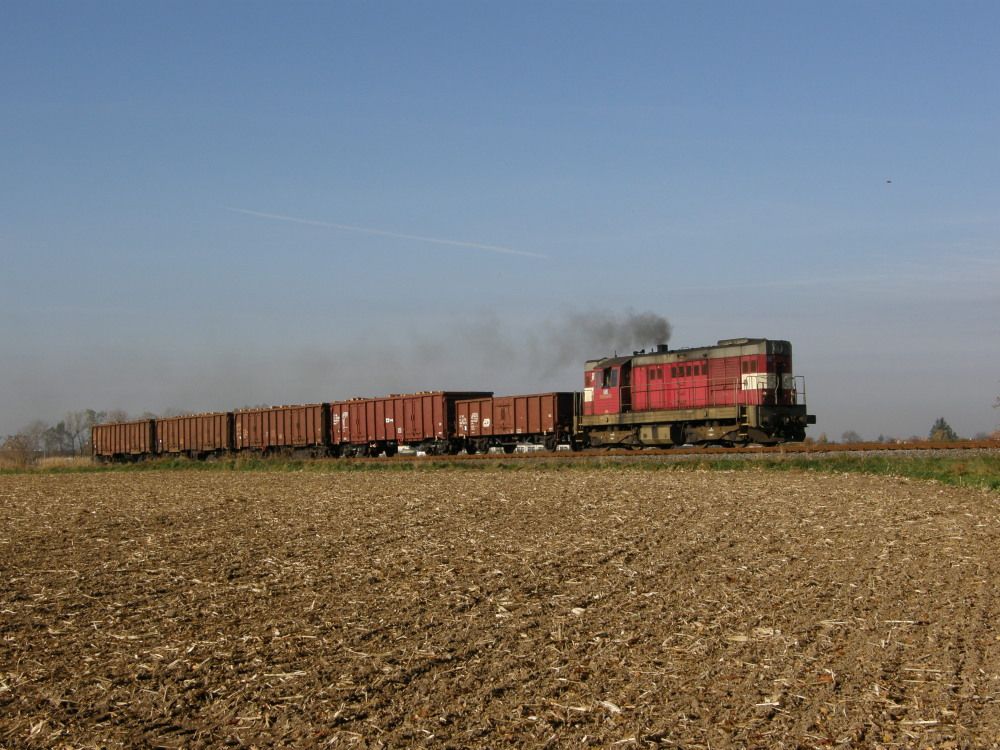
x=490 y=608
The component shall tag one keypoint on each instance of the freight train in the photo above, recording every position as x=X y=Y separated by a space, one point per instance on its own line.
x=738 y=391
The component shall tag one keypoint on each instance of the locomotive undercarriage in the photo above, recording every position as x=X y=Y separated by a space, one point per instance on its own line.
x=767 y=425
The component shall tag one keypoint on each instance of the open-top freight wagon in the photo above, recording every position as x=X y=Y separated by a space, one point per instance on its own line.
x=300 y=428
x=124 y=441
x=372 y=426
x=195 y=435
x=506 y=421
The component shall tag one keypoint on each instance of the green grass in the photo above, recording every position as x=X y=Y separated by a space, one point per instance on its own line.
x=962 y=469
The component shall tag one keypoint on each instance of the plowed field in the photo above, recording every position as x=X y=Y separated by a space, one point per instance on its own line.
x=493 y=608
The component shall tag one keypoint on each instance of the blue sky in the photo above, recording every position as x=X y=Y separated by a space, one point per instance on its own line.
x=724 y=165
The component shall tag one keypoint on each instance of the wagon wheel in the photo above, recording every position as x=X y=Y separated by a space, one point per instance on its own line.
x=551 y=443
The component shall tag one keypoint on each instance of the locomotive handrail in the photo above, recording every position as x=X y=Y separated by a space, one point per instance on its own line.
x=722 y=392
x=799 y=390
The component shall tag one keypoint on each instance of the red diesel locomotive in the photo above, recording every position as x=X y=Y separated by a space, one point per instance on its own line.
x=737 y=392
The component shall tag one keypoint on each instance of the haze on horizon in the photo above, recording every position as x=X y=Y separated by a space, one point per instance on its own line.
x=203 y=207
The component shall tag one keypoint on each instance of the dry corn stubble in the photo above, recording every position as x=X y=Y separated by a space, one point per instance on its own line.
x=487 y=608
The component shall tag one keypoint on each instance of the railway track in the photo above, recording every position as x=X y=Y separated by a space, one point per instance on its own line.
x=815 y=450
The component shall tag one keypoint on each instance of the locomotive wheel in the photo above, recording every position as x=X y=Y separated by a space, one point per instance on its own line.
x=509 y=448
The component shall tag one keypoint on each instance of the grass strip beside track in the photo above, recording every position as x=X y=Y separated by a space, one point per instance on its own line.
x=976 y=470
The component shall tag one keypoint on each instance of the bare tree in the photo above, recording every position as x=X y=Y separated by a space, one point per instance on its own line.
x=57 y=441
x=850 y=437
x=34 y=435
x=116 y=415
x=17 y=451
x=74 y=425
x=77 y=425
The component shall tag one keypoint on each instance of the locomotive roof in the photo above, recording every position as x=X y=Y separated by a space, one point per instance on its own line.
x=725 y=347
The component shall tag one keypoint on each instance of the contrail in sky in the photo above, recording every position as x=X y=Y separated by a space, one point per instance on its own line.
x=385 y=233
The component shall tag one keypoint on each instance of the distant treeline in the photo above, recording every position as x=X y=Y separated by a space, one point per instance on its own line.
x=70 y=436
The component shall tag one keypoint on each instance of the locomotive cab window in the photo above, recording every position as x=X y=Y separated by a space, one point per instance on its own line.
x=610 y=378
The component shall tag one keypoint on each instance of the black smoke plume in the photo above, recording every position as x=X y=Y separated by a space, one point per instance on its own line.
x=589 y=335
x=548 y=354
